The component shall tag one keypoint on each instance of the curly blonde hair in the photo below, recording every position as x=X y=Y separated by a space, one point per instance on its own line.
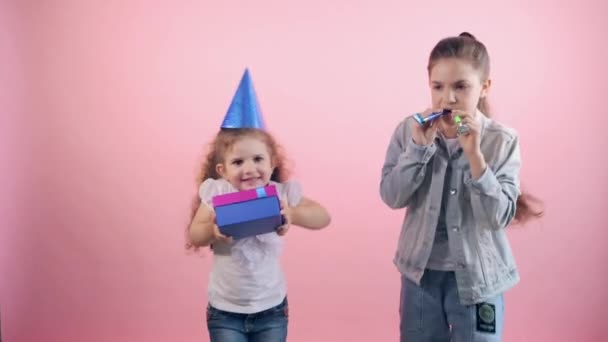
x=217 y=149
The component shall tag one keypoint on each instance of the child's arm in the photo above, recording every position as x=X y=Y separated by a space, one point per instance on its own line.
x=404 y=167
x=310 y=214
x=494 y=191
x=203 y=231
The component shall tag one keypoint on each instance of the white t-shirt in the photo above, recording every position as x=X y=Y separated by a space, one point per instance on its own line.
x=246 y=276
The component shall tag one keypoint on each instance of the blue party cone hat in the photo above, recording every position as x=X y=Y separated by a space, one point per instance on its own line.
x=244 y=111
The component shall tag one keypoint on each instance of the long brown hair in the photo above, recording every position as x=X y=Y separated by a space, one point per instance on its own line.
x=467 y=47
x=217 y=149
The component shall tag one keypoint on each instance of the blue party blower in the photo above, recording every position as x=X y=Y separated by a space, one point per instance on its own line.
x=249 y=212
x=422 y=120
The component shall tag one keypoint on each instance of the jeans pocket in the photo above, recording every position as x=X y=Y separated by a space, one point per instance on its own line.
x=213 y=313
x=412 y=305
x=209 y=313
x=286 y=311
x=282 y=309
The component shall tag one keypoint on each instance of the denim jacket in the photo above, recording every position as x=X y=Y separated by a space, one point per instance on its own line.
x=477 y=211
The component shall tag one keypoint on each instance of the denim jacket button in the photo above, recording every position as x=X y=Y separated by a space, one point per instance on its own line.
x=452 y=191
x=455 y=229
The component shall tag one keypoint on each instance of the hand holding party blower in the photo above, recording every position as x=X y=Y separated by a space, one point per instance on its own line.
x=461 y=129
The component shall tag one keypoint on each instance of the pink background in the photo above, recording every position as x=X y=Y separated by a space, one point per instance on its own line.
x=105 y=106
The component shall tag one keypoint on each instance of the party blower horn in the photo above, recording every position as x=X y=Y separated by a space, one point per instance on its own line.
x=422 y=120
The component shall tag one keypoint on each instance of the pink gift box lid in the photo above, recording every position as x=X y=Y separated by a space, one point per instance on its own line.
x=245 y=195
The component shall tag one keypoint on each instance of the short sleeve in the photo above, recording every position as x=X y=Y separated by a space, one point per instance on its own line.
x=213 y=187
x=292 y=192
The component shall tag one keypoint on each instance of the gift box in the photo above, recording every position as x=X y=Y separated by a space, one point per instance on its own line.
x=248 y=212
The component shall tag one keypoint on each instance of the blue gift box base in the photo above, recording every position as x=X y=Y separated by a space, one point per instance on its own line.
x=244 y=219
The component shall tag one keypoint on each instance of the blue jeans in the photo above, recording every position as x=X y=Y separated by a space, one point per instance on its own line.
x=265 y=326
x=432 y=312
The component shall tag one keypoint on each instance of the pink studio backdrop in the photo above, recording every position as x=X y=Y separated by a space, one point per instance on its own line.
x=105 y=106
